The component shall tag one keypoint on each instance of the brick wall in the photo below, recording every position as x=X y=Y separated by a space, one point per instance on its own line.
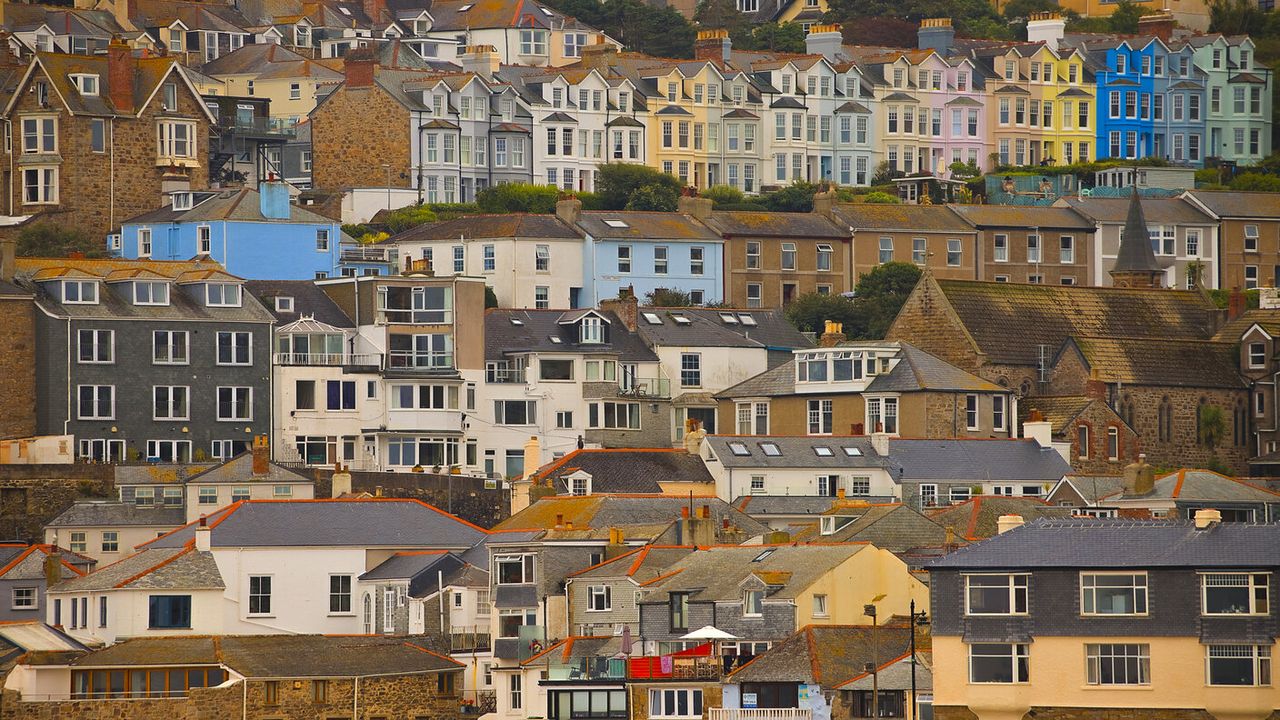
x=353 y=133
x=1098 y=418
x=927 y=321
x=771 y=276
x=17 y=368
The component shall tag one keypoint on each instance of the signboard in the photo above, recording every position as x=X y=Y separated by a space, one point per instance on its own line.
x=749 y=701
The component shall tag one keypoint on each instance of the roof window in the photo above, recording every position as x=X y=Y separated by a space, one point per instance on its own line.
x=822 y=451
x=517 y=322
x=728 y=319
x=771 y=449
x=652 y=319
x=747 y=319
x=852 y=451
x=616 y=224
x=681 y=320
x=739 y=449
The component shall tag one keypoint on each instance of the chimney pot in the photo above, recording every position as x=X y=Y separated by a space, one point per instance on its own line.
x=1207 y=518
x=1008 y=522
x=684 y=511
x=261 y=455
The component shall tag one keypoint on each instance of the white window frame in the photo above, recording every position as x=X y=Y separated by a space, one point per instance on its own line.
x=1013 y=587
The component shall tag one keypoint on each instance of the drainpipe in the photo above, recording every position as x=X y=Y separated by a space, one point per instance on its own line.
x=8 y=130
x=66 y=424
x=111 y=214
x=420 y=178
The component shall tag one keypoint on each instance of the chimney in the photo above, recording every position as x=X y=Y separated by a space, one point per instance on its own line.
x=698 y=207
x=832 y=334
x=777 y=537
x=1094 y=387
x=568 y=524
x=693 y=436
x=373 y=10
x=1008 y=522
x=1236 y=303
x=483 y=60
x=1046 y=27
x=625 y=306
x=713 y=45
x=880 y=443
x=569 y=211
x=1159 y=24
x=273 y=200
x=949 y=536
x=8 y=257
x=824 y=40
x=1139 y=477
x=1207 y=518
x=1038 y=429
x=532 y=457
x=359 y=66
x=699 y=530
x=936 y=34
x=261 y=455
x=121 y=71
x=340 y=483
x=204 y=535
x=599 y=56
x=52 y=567
x=824 y=202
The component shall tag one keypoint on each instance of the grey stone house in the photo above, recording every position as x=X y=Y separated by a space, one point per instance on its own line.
x=25 y=571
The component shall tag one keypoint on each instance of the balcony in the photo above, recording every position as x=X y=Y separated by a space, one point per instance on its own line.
x=469 y=642
x=258 y=126
x=373 y=360
x=513 y=376
x=678 y=668
x=642 y=387
x=440 y=363
x=759 y=714
x=348 y=253
x=409 y=316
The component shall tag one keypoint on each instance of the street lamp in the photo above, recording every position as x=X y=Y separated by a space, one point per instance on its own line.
x=921 y=618
x=874 y=666
x=387 y=167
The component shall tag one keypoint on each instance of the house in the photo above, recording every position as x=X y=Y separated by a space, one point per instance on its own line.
x=603 y=599
x=904 y=685
x=1176 y=495
x=1248 y=236
x=1085 y=429
x=108 y=530
x=18 y=363
x=896 y=527
x=25 y=574
x=230 y=227
x=104 y=137
x=1032 y=244
x=605 y=471
x=932 y=236
x=857 y=387
x=247 y=146
x=188 y=318
x=1238 y=122
x=980 y=517
x=1105 y=612
x=574 y=677
x=291 y=82
x=1256 y=330
x=255 y=677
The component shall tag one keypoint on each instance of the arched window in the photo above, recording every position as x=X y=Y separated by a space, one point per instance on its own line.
x=1126 y=410
x=1164 y=420
x=1082 y=442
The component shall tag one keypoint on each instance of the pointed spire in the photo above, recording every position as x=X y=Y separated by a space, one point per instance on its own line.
x=1136 y=264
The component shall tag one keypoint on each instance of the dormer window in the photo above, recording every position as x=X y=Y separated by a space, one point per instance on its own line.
x=811 y=368
x=150 y=292
x=284 y=304
x=830 y=524
x=182 y=201
x=86 y=84
x=80 y=292
x=753 y=602
x=591 y=330
x=580 y=486
x=222 y=294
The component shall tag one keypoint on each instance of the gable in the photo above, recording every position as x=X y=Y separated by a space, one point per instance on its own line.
x=928 y=321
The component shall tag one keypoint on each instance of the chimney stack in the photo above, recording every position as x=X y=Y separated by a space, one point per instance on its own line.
x=1207 y=518
x=569 y=210
x=8 y=257
x=832 y=334
x=625 y=306
x=1008 y=522
x=698 y=207
x=261 y=455
x=824 y=202
x=600 y=55
x=340 y=483
x=1038 y=429
x=936 y=34
x=1160 y=24
x=532 y=457
x=1094 y=387
x=273 y=200
x=204 y=535
x=52 y=567
x=359 y=66
x=1046 y=27
x=880 y=443
x=121 y=71
x=713 y=45
x=483 y=60
x=693 y=436
x=824 y=40
x=1139 y=477
x=1236 y=303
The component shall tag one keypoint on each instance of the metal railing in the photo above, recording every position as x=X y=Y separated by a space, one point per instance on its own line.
x=504 y=375
x=408 y=360
x=264 y=125
x=369 y=359
x=759 y=714
x=468 y=642
x=366 y=253
x=654 y=387
x=408 y=316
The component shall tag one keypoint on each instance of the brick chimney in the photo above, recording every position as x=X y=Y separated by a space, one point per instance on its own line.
x=52 y=567
x=600 y=55
x=204 y=535
x=122 y=68
x=713 y=45
x=1159 y=24
x=625 y=306
x=483 y=60
x=698 y=207
x=8 y=257
x=569 y=210
x=1095 y=387
x=1236 y=303
x=373 y=9
x=261 y=455
x=832 y=334
x=359 y=66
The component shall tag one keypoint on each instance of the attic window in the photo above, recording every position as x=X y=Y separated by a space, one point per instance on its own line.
x=771 y=449
x=746 y=319
x=728 y=319
x=652 y=319
x=852 y=451
x=554 y=340
x=681 y=320
x=739 y=449
x=284 y=304
x=822 y=451
x=86 y=84
x=616 y=224
x=517 y=322
x=465 y=8
x=182 y=201
x=761 y=557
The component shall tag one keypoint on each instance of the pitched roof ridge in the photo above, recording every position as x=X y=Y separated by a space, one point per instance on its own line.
x=859 y=676
x=185 y=549
x=429 y=651
x=21 y=556
x=607 y=561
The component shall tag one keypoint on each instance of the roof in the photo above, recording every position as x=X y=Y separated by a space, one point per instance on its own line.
x=1135 y=253
x=147 y=76
x=641 y=565
x=578 y=647
x=776 y=224
x=1233 y=330
x=626 y=470
x=243 y=205
x=268 y=59
x=117 y=514
x=825 y=655
x=309 y=300
x=1150 y=361
x=926 y=218
x=1059 y=411
x=719 y=327
x=977 y=518
x=645 y=226
x=1017 y=216
x=1009 y=321
x=896 y=675
x=510 y=332
x=410 y=564
x=766 y=505
x=1156 y=211
x=1200 y=485
x=797 y=451
x=894 y=527
x=513 y=225
x=1097 y=543
x=276 y=656
x=1091 y=488
x=26 y=562
x=363 y=522
x=717 y=574
x=634 y=514
x=239 y=469
x=170 y=568
x=1235 y=204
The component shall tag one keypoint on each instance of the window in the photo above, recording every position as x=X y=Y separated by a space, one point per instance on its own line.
x=1001 y=245
x=1238 y=665
x=675 y=703
x=953 y=252
x=614 y=415
x=79 y=543
x=96 y=346
x=753 y=602
x=997 y=412
x=39 y=135
x=235 y=403
x=1113 y=443
x=150 y=293
x=271 y=692
x=339 y=594
x=514 y=569
x=624 y=258
x=259 y=594
x=820 y=606
x=1113 y=593
x=515 y=693
x=40 y=185
x=1118 y=664
x=340 y=395
x=170 y=347
x=542 y=258
x=169 y=612
x=1033 y=248
x=998 y=663
x=754 y=292
x=753 y=255
x=170 y=402
x=823 y=260
x=208 y=496
x=515 y=412
x=919 y=251
x=96 y=402
x=110 y=541
x=555 y=369
x=660 y=260
x=971 y=412
x=996 y=594
x=1251 y=238
x=820 y=417
x=696 y=260
x=788 y=256
x=533 y=42
x=24 y=598
x=176 y=140
x=599 y=598
x=98 y=135
x=235 y=348
x=1235 y=593
x=690 y=370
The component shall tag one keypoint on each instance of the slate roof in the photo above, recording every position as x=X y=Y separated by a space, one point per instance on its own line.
x=146 y=78
x=158 y=473
x=1059 y=411
x=631 y=513
x=707 y=327
x=776 y=224
x=410 y=564
x=502 y=338
x=797 y=451
x=894 y=527
x=513 y=225
x=716 y=574
x=243 y=205
x=268 y=59
x=308 y=299
x=371 y=522
x=1000 y=216
x=1157 y=211
x=978 y=517
x=1097 y=543
x=1091 y=488
x=239 y=469
x=825 y=655
x=26 y=562
x=1200 y=485
x=641 y=565
x=1232 y=330
x=626 y=470
x=118 y=514
x=170 y=568
x=765 y=505
x=921 y=218
x=896 y=675
x=1169 y=362
x=1009 y=321
x=646 y=226
x=1236 y=204
x=277 y=656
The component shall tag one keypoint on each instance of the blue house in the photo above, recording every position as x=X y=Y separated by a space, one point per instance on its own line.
x=1151 y=101
x=647 y=251
x=255 y=234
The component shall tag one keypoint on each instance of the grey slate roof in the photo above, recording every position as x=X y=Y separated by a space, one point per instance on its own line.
x=708 y=327
x=117 y=514
x=641 y=565
x=239 y=469
x=513 y=225
x=717 y=573
x=627 y=470
x=646 y=226
x=1095 y=543
x=825 y=655
x=171 y=568
x=308 y=299
x=893 y=527
x=502 y=338
x=765 y=505
x=1201 y=485
x=1094 y=487
x=797 y=451
x=243 y=205
x=896 y=675
x=404 y=565
x=992 y=460
x=382 y=522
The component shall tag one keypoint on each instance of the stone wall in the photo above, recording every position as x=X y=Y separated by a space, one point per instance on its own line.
x=32 y=495
x=353 y=132
x=17 y=368
x=927 y=321
x=1098 y=418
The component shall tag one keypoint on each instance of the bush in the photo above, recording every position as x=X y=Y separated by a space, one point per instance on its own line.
x=796 y=197
x=667 y=297
x=518 y=198
x=617 y=182
x=880 y=198
x=1256 y=181
x=405 y=218
x=660 y=198
x=46 y=239
x=723 y=195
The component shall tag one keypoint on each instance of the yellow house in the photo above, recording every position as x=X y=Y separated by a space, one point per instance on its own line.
x=292 y=82
x=685 y=121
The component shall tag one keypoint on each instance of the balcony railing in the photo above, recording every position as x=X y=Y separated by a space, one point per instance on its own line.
x=500 y=375
x=654 y=387
x=759 y=714
x=407 y=360
x=366 y=253
x=363 y=359
x=408 y=316
x=469 y=642
x=676 y=668
x=262 y=126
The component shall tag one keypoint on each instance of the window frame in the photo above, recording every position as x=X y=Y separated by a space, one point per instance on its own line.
x=1012 y=588
x=1085 y=590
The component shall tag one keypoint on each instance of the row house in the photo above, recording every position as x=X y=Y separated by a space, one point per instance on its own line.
x=1034 y=245
x=1247 y=226
x=1183 y=238
x=1238 y=97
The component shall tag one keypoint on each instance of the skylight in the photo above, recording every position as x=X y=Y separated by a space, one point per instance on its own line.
x=517 y=322
x=852 y=451
x=822 y=451
x=681 y=320
x=465 y=8
x=616 y=224
x=747 y=319
x=554 y=340
x=764 y=554
x=343 y=10
x=739 y=449
x=728 y=319
x=652 y=319
x=546 y=12
x=771 y=449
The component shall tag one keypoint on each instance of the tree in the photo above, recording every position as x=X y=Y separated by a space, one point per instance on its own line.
x=518 y=198
x=810 y=312
x=616 y=182
x=45 y=239
x=1125 y=17
x=641 y=27
x=1256 y=182
x=796 y=197
x=490 y=298
x=1236 y=17
x=881 y=293
x=775 y=37
x=1022 y=9
x=655 y=197
x=880 y=198
x=1213 y=426
x=722 y=14
x=667 y=297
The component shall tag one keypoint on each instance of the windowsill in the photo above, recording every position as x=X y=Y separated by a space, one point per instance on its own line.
x=257 y=616
x=170 y=627
x=341 y=614
x=19 y=609
x=592 y=610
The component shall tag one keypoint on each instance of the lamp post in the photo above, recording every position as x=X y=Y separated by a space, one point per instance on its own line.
x=387 y=167
x=920 y=618
x=870 y=611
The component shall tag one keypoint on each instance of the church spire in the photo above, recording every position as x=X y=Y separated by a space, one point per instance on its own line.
x=1136 y=264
